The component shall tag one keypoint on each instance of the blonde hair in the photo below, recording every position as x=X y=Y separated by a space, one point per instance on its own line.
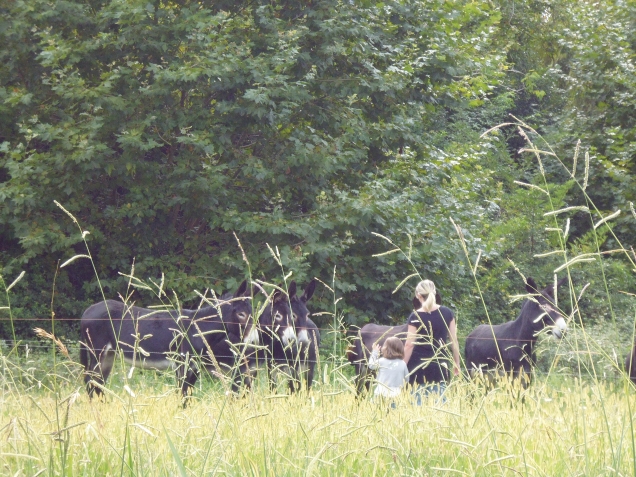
x=393 y=348
x=426 y=289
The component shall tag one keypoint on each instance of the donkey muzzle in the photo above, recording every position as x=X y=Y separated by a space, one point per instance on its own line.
x=559 y=328
x=252 y=337
x=289 y=335
x=303 y=337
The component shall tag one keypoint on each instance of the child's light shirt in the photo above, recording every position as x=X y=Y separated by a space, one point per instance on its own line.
x=392 y=374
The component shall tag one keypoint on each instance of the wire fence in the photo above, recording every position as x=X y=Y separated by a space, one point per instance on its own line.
x=607 y=367
x=351 y=332
x=589 y=357
x=609 y=374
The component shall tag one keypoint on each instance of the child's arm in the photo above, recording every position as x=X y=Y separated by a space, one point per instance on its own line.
x=374 y=359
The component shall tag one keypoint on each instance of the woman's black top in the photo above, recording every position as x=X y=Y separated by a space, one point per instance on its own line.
x=429 y=362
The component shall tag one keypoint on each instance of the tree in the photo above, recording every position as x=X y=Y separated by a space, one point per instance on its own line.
x=165 y=128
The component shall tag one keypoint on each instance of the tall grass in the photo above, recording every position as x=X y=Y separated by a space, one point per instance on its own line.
x=576 y=418
x=560 y=428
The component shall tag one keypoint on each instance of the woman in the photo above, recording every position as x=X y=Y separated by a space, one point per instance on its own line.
x=430 y=328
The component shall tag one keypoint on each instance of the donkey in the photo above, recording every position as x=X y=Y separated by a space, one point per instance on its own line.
x=630 y=364
x=308 y=351
x=509 y=347
x=152 y=339
x=284 y=334
x=359 y=351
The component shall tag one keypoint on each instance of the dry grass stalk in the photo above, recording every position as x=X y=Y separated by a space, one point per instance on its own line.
x=605 y=219
x=587 y=170
x=45 y=334
x=576 y=156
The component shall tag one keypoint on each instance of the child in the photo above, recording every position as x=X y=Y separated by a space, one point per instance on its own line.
x=392 y=370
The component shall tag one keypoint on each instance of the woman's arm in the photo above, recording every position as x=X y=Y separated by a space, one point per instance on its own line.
x=405 y=370
x=410 y=343
x=452 y=329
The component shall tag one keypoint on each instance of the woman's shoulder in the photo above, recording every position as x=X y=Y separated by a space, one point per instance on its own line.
x=446 y=311
x=414 y=318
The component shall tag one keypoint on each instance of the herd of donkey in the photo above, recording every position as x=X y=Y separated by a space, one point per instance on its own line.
x=224 y=339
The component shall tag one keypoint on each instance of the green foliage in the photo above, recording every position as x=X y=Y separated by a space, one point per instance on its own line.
x=164 y=128
x=598 y=82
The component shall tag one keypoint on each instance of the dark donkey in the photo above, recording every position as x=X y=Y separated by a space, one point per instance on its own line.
x=284 y=335
x=154 y=339
x=308 y=350
x=509 y=347
x=630 y=363
x=360 y=349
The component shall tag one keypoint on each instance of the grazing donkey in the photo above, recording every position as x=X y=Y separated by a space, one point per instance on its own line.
x=362 y=344
x=284 y=335
x=153 y=339
x=509 y=347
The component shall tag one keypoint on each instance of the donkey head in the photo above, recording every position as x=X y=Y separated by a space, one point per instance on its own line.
x=277 y=320
x=241 y=315
x=542 y=310
x=300 y=312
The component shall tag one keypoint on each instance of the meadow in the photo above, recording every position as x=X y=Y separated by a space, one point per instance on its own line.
x=349 y=134
x=561 y=425
x=575 y=419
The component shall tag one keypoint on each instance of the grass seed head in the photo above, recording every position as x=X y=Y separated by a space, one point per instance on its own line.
x=39 y=332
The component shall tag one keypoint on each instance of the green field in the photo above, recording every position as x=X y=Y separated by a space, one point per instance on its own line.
x=560 y=426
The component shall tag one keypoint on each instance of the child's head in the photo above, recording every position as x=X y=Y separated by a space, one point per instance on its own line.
x=393 y=348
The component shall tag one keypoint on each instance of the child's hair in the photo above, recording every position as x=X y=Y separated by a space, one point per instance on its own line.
x=393 y=348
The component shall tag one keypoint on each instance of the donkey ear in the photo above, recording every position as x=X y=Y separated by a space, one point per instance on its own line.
x=241 y=289
x=309 y=291
x=277 y=296
x=531 y=286
x=291 y=291
x=416 y=303
x=438 y=299
x=550 y=288
x=257 y=289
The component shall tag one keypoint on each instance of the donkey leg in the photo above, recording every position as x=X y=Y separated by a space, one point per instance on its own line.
x=101 y=370
x=242 y=379
x=251 y=370
x=311 y=368
x=189 y=377
x=237 y=364
x=308 y=365
x=359 y=381
x=363 y=379
x=272 y=374
x=294 y=369
x=181 y=369
x=92 y=374
x=90 y=362
x=294 y=378
x=91 y=356
x=107 y=360
x=187 y=385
